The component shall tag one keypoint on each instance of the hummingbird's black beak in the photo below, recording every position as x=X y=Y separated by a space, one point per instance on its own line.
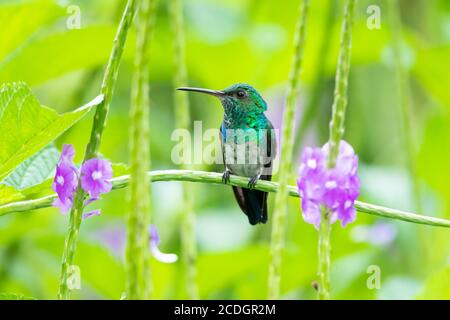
x=215 y=93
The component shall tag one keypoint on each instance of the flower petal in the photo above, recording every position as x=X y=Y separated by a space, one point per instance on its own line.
x=95 y=176
x=154 y=236
x=67 y=154
x=63 y=206
x=163 y=257
x=91 y=214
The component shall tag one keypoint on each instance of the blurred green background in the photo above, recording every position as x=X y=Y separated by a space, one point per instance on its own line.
x=230 y=41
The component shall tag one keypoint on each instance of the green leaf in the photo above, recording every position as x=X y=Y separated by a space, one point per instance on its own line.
x=9 y=194
x=34 y=170
x=88 y=47
x=32 y=178
x=26 y=126
x=23 y=18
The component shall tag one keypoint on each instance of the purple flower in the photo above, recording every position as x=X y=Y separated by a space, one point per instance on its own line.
x=95 y=177
x=66 y=179
x=335 y=189
x=157 y=254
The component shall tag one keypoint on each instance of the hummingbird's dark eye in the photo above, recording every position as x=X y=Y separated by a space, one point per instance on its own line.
x=241 y=94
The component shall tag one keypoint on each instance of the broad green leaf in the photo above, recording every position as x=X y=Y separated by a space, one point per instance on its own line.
x=88 y=47
x=9 y=194
x=23 y=18
x=34 y=170
x=26 y=126
x=32 y=178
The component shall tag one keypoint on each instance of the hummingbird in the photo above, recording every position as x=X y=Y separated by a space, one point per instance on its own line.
x=248 y=144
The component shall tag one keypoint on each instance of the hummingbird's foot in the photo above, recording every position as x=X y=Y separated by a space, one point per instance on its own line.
x=226 y=177
x=253 y=181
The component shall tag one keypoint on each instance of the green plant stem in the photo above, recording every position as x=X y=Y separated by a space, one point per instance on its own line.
x=404 y=99
x=324 y=255
x=312 y=107
x=336 y=134
x=281 y=199
x=92 y=148
x=139 y=214
x=405 y=106
x=216 y=178
x=182 y=120
x=340 y=93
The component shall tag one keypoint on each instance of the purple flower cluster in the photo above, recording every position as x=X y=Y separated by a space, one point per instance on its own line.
x=336 y=189
x=66 y=179
x=95 y=175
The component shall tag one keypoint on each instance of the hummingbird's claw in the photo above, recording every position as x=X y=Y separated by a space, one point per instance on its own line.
x=253 y=181
x=226 y=177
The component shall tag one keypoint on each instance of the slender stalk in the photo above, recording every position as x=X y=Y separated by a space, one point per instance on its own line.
x=340 y=93
x=137 y=250
x=404 y=99
x=336 y=134
x=405 y=105
x=216 y=178
x=324 y=255
x=182 y=120
x=92 y=148
x=281 y=200
x=312 y=107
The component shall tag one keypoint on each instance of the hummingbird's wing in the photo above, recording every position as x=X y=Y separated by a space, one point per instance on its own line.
x=254 y=202
x=268 y=165
x=250 y=201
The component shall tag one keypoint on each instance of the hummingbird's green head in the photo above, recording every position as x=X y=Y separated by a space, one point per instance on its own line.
x=245 y=97
x=239 y=97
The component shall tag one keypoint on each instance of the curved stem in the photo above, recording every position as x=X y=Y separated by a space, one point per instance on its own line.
x=182 y=120
x=92 y=148
x=216 y=178
x=281 y=200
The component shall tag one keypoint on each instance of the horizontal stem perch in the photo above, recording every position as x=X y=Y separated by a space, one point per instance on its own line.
x=213 y=177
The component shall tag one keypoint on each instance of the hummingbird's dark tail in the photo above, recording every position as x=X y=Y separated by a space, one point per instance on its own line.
x=253 y=203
